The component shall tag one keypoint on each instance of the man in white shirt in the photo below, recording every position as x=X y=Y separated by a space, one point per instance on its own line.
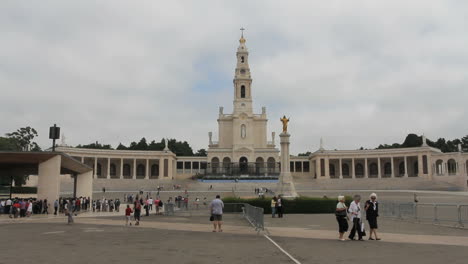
x=8 y=204
x=355 y=212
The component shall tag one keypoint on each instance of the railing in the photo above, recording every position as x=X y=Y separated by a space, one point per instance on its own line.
x=252 y=213
x=455 y=214
x=255 y=216
x=240 y=169
x=169 y=209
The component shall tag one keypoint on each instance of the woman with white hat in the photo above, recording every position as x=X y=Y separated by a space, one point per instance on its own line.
x=372 y=212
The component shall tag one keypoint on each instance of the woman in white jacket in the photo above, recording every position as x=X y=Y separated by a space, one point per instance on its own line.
x=355 y=214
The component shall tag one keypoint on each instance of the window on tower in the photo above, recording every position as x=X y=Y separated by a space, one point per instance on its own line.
x=242 y=59
x=242 y=91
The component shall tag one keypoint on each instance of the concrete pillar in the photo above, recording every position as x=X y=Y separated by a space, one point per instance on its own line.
x=95 y=168
x=108 y=168
x=48 y=185
x=393 y=168
x=147 y=169
x=379 y=174
x=340 y=171
x=317 y=167
x=134 y=169
x=285 y=184
x=366 y=169
x=353 y=172
x=82 y=159
x=84 y=185
x=420 y=166
x=121 y=168
x=161 y=168
x=170 y=169
x=406 y=166
x=327 y=168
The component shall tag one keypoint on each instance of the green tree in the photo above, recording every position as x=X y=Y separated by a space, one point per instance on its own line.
x=412 y=141
x=201 y=153
x=23 y=137
x=121 y=147
x=304 y=154
x=142 y=145
x=464 y=142
x=8 y=144
x=96 y=145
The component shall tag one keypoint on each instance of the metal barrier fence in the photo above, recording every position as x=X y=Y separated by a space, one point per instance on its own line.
x=255 y=216
x=169 y=209
x=455 y=214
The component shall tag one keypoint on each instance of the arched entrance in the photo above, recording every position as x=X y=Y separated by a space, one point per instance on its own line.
x=214 y=165
x=259 y=164
x=243 y=165
x=227 y=165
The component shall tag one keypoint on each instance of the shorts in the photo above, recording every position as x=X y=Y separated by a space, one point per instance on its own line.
x=129 y=217
x=217 y=217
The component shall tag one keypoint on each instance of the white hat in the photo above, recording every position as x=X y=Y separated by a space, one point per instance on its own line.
x=373 y=195
x=341 y=197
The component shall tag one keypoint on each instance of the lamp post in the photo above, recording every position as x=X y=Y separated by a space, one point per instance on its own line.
x=54 y=133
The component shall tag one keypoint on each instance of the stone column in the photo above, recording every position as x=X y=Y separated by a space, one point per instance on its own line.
x=121 y=168
x=317 y=167
x=134 y=169
x=84 y=185
x=82 y=160
x=379 y=174
x=420 y=166
x=161 y=168
x=353 y=172
x=327 y=168
x=147 y=169
x=48 y=185
x=95 y=168
x=366 y=169
x=406 y=167
x=108 y=168
x=169 y=170
x=393 y=168
x=285 y=184
x=340 y=172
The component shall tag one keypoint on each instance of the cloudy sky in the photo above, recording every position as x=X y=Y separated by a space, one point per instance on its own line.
x=357 y=73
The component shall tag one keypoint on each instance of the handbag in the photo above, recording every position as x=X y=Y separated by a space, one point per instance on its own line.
x=341 y=213
x=211 y=218
x=363 y=229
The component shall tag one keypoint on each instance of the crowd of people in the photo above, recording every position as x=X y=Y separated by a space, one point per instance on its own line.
x=353 y=215
x=23 y=207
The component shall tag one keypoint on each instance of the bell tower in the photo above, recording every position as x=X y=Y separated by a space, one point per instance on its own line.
x=242 y=80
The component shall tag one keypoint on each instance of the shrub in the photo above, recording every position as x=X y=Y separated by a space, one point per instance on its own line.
x=299 y=205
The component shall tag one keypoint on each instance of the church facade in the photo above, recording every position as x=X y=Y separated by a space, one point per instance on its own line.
x=242 y=147
x=245 y=148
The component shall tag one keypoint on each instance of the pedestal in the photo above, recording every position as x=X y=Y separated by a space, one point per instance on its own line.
x=285 y=186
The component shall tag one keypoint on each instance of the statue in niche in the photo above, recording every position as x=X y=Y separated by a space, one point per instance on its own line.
x=285 y=122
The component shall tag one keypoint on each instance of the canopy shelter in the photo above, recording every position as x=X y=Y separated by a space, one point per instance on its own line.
x=49 y=166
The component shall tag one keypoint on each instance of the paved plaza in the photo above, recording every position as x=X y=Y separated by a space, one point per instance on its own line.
x=187 y=238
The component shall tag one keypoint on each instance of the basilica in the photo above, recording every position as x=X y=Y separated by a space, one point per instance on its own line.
x=244 y=149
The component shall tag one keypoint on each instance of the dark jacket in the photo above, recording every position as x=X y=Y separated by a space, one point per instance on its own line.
x=370 y=212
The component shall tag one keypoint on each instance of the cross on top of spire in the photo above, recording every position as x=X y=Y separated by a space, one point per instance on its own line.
x=242 y=39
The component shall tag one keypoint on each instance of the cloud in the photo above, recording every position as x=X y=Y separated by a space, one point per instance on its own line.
x=357 y=73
